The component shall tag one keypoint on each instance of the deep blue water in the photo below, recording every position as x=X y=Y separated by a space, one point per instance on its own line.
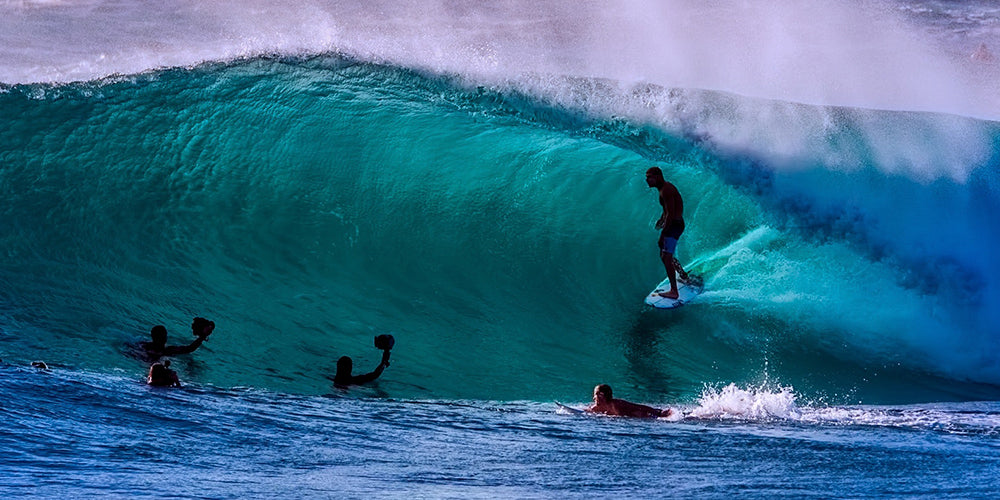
x=106 y=435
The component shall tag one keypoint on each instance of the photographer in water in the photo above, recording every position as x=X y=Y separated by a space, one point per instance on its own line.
x=343 y=378
x=200 y=327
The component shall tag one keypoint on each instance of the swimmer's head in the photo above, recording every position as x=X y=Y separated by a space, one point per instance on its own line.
x=157 y=374
x=159 y=334
x=602 y=393
x=345 y=365
x=654 y=177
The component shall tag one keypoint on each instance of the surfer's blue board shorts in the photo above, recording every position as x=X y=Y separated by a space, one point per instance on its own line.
x=670 y=235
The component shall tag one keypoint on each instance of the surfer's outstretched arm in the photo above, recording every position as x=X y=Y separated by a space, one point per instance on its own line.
x=173 y=350
x=343 y=378
x=201 y=328
x=368 y=377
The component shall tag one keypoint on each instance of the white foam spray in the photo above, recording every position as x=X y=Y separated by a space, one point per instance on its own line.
x=733 y=402
x=843 y=53
x=762 y=404
x=859 y=54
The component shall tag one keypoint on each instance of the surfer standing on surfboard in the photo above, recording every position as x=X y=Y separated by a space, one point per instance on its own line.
x=671 y=225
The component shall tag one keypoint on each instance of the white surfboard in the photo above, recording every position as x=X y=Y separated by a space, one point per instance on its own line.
x=675 y=414
x=686 y=292
x=568 y=409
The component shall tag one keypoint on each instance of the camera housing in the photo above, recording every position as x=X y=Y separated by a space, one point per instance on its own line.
x=384 y=342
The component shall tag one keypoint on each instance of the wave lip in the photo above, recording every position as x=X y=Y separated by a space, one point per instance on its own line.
x=864 y=54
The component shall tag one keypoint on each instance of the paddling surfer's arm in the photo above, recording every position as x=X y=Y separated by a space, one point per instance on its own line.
x=641 y=411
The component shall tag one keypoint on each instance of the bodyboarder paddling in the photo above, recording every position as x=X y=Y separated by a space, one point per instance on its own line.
x=671 y=225
x=606 y=404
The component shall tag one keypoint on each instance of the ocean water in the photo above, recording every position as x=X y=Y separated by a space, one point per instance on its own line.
x=469 y=178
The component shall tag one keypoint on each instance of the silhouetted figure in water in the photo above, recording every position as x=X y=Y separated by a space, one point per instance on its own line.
x=161 y=375
x=343 y=378
x=200 y=327
x=604 y=403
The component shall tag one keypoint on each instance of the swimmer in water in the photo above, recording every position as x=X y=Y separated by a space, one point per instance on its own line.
x=604 y=403
x=345 y=365
x=160 y=375
x=200 y=327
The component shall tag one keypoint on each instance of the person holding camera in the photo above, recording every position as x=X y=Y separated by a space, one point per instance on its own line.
x=343 y=378
x=200 y=327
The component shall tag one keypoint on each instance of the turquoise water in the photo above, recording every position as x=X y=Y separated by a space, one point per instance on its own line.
x=306 y=205
x=309 y=185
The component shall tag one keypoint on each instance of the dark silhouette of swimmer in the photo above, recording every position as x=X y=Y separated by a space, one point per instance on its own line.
x=343 y=378
x=604 y=403
x=200 y=327
x=160 y=375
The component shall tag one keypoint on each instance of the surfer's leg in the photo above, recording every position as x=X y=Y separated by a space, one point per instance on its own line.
x=681 y=273
x=668 y=246
x=667 y=256
x=673 y=293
